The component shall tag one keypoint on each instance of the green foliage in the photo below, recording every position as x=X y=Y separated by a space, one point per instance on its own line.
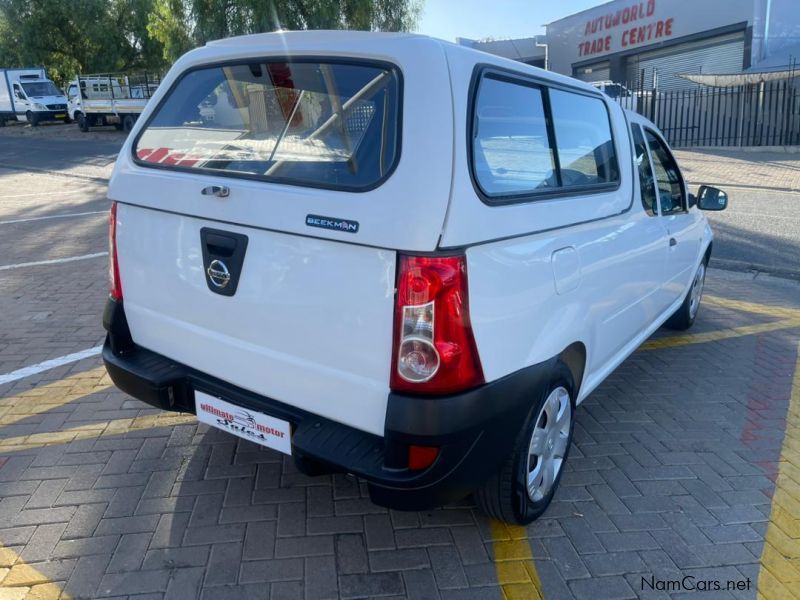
x=72 y=36
x=181 y=24
x=168 y=24
x=93 y=36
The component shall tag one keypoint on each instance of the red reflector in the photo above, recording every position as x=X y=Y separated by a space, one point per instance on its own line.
x=421 y=457
x=114 y=284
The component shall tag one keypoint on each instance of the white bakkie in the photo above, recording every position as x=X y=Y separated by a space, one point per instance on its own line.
x=412 y=259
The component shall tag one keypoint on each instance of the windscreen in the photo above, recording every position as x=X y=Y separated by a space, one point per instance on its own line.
x=37 y=89
x=310 y=123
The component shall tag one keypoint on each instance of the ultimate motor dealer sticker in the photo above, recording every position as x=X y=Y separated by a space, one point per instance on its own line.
x=247 y=424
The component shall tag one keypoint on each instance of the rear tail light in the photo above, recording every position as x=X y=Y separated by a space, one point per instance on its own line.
x=434 y=349
x=114 y=284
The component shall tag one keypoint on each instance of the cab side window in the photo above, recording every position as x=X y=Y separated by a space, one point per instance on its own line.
x=583 y=140
x=529 y=140
x=511 y=151
x=642 y=159
x=668 y=177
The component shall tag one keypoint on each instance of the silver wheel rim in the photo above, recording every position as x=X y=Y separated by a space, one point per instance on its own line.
x=697 y=290
x=549 y=444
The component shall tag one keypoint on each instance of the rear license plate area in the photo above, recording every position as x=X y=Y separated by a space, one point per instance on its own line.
x=247 y=424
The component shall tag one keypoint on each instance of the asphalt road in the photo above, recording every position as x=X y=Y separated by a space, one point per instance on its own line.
x=90 y=157
x=760 y=231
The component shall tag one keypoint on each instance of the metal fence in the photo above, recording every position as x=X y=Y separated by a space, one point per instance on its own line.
x=118 y=86
x=762 y=114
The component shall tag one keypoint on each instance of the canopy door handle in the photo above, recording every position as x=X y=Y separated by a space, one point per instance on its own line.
x=220 y=191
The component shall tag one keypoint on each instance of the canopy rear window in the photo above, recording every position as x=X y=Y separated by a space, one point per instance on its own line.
x=321 y=124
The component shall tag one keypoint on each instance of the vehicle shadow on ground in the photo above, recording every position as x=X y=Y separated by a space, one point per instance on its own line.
x=740 y=249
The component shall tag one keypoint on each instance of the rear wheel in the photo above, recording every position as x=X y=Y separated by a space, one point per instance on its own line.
x=524 y=487
x=684 y=317
x=128 y=122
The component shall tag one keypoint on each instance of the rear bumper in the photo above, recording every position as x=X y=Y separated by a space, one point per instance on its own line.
x=474 y=431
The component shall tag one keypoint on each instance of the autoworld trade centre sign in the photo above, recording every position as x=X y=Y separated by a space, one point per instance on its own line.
x=632 y=25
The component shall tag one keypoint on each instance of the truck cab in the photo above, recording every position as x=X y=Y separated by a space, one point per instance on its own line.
x=29 y=96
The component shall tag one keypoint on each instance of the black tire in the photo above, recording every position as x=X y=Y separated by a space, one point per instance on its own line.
x=128 y=122
x=32 y=119
x=504 y=495
x=2 y=122
x=83 y=122
x=683 y=318
x=118 y=126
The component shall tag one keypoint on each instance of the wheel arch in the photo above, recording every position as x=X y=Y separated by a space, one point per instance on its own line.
x=574 y=356
x=707 y=253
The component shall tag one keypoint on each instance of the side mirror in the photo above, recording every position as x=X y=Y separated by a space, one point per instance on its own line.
x=711 y=198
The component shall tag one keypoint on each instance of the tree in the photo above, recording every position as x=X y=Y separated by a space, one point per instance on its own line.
x=94 y=36
x=180 y=24
x=168 y=23
x=67 y=38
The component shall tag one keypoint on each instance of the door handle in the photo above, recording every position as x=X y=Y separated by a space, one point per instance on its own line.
x=673 y=242
x=220 y=191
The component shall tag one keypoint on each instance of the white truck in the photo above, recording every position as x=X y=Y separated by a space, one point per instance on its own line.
x=109 y=99
x=28 y=95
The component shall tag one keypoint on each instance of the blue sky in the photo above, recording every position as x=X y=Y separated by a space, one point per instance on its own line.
x=476 y=19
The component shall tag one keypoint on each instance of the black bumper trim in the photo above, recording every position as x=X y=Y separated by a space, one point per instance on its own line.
x=474 y=431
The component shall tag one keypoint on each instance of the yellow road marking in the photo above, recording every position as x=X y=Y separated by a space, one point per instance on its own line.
x=513 y=561
x=722 y=334
x=20 y=580
x=752 y=307
x=94 y=430
x=52 y=395
x=779 y=576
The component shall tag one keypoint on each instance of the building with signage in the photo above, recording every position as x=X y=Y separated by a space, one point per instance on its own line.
x=647 y=44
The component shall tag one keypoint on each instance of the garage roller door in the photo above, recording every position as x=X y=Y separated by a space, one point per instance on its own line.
x=596 y=72
x=722 y=54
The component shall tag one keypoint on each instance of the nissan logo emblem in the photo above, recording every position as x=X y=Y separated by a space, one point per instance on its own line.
x=218 y=273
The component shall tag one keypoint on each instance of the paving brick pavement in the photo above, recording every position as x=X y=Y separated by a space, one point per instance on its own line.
x=758 y=169
x=671 y=474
